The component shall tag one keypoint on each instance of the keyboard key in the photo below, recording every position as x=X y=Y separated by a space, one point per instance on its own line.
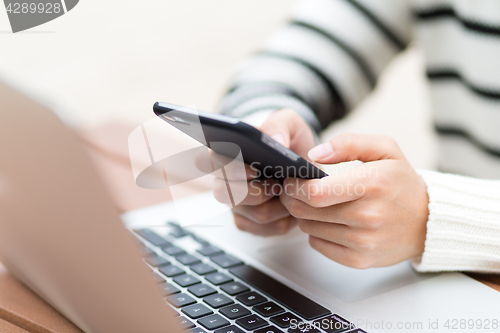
x=269 y=329
x=217 y=300
x=171 y=270
x=268 y=309
x=226 y=261
x=184 y=323
x=234 y=288
x=202 y=269
x=197 y=330
x=218 y=278
x=201 y=290
x=229 y=329
x=174 y=224
x=209 y=251
x=172 y=312
x=168 y=289
x=284 y=320
x=146 y=251
x=251 y=298
x=335 y=323
x=187 y=259
x=180 y=300
x=158 y=278
x=186 y=280
x=173 y=251
x=200 y=240
x=157 y=261
x=213 y=322
x=196 y=311
x=178 y=232
x=297 y=302
x=234 y=311
x=251 y=322
x=152 y=237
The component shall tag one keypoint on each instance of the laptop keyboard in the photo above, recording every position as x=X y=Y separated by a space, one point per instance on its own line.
x=213 y=291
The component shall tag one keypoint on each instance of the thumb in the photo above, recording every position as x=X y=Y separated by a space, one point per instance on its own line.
x=351 y=147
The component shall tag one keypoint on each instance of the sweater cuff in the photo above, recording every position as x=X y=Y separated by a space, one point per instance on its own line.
x=463 y=230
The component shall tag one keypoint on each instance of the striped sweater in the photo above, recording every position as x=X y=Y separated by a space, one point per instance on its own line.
x=327 y=59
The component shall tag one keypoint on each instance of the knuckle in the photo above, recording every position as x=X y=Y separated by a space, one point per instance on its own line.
x=270 y=186
x=256 y=193
x=240 y=222
x=296 y=208
x=261 y=213
x=373 y=218
x=252 y=170
x=220 y=190
x=303 y=226
x=358 y=261
x=316 y=199
x=392 y=142
x=314 y=243
x=365 y=242
x=283 y=227
x=374 y=185
x=348 y=139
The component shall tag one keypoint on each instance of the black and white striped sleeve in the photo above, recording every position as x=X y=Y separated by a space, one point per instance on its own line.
x=323 y=62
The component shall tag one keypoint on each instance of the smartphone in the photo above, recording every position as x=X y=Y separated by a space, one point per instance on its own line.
x=260 y=151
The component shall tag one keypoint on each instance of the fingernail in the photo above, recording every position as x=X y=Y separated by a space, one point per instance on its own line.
x=320 y=152
x=279 y=138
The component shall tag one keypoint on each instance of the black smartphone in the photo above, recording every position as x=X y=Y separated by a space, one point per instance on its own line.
x=272 y=159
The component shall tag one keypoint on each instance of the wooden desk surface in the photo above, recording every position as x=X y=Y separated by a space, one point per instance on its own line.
x=7 y=327
x=21 y=310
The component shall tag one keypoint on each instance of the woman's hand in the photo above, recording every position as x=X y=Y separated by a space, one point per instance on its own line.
x=374 y=215
x=261 y=212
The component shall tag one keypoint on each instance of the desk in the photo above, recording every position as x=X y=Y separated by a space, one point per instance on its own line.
x=23 y=311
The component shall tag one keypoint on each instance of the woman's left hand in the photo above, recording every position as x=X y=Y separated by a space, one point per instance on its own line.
x=374 y=215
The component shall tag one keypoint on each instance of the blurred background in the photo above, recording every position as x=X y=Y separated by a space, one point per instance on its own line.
x=109 y=61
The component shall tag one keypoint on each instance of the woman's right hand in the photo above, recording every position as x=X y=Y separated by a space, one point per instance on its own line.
x=261 y=212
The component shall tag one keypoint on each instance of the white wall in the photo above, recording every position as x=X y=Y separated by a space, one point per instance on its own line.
x=113 y=59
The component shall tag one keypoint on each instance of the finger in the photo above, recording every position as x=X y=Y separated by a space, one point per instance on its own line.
x=351 y=147
x=345 y=213
x=288 y=128
x=354 y=238
x=328 y=191
x=276 y=228
x=269 y=211
x=331 y=232
x=339 y=253
x=279 y=126
x=203 y=161
x=206 y=161
x=232 y=169
x=259 y=191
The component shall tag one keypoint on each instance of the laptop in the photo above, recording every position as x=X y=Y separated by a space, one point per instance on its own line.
x=142 y=272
